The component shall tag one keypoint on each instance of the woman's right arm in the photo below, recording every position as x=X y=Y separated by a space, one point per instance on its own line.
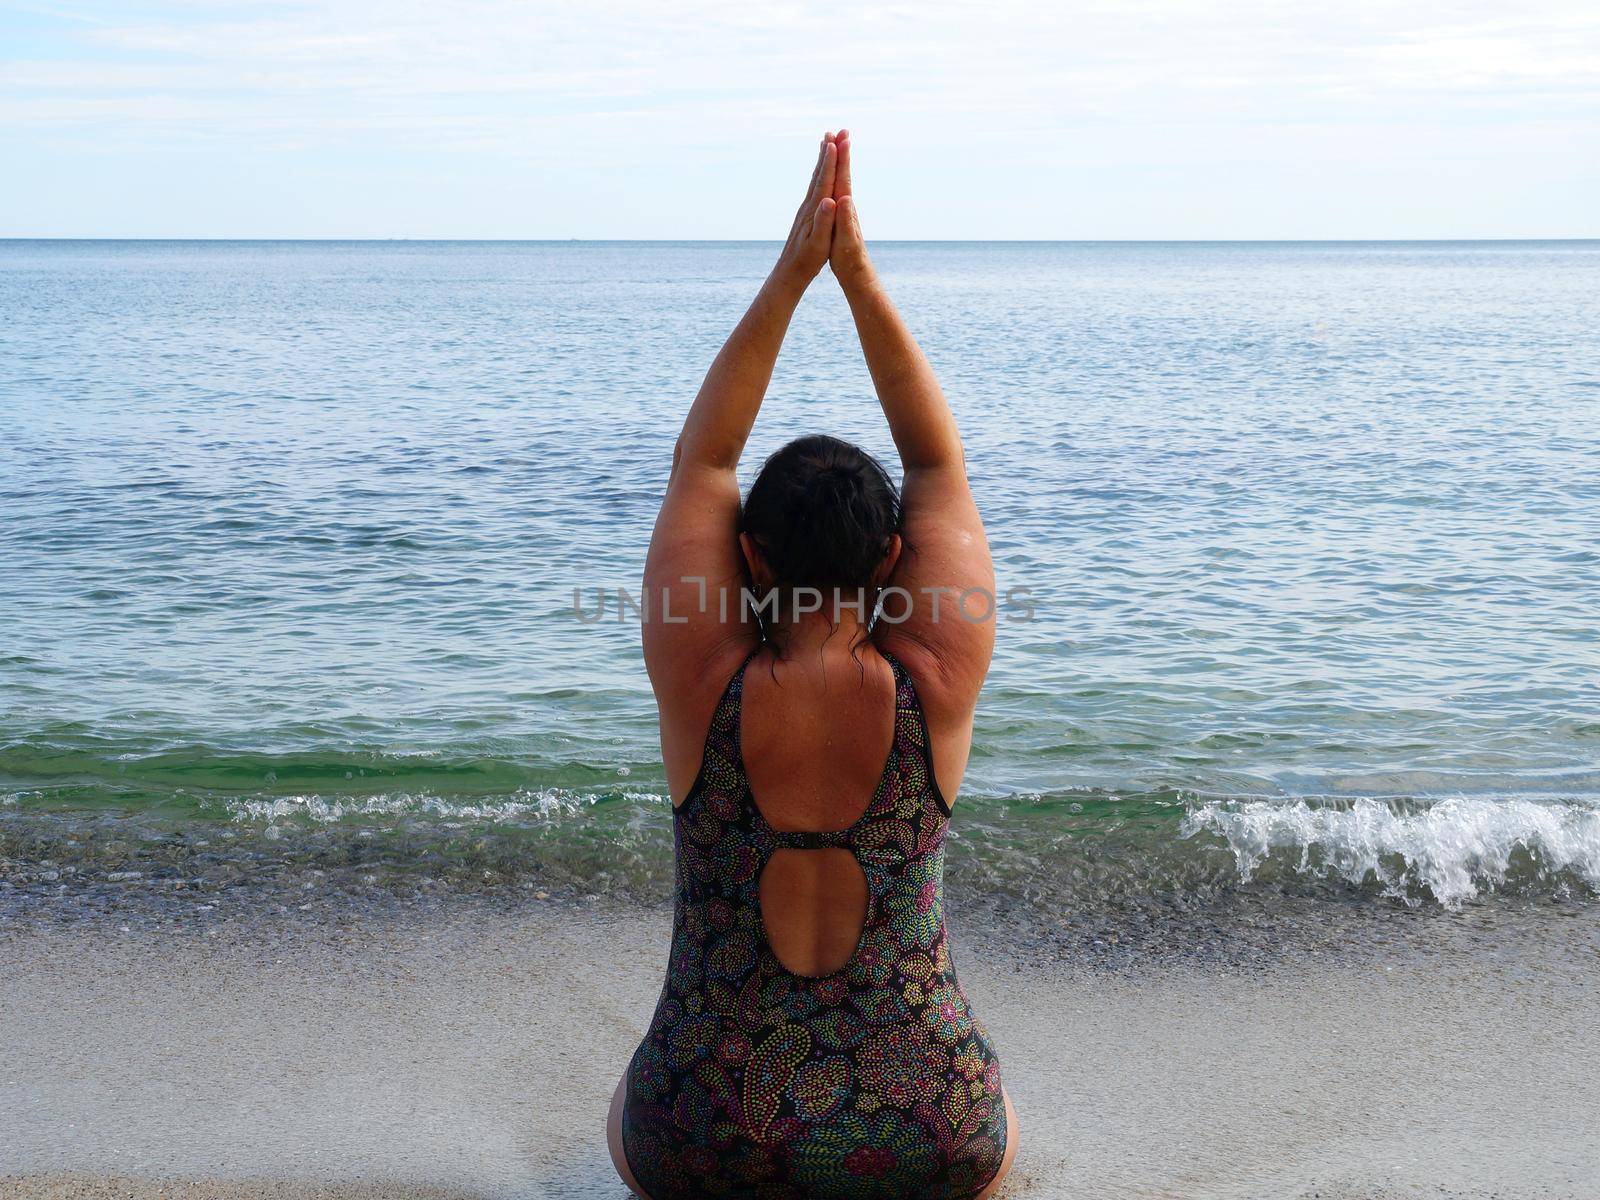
x=947 y=640
x=695 y=627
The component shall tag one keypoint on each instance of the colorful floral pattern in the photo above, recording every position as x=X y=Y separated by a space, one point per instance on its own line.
x=876 y=1082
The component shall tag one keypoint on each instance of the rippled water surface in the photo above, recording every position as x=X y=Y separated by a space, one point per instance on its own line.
x=1310 y=535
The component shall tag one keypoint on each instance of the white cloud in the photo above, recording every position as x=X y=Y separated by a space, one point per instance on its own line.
x=609 y=86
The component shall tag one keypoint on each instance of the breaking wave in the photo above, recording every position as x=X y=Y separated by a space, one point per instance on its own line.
x=1454 y=850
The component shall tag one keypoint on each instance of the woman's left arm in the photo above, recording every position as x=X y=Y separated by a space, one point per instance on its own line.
x=693 y=620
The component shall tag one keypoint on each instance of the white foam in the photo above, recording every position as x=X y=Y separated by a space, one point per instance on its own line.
x=1454 y=849
x=325 y=810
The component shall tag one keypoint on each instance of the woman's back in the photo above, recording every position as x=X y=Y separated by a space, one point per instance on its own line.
x=816 y=733
x=811 y=1034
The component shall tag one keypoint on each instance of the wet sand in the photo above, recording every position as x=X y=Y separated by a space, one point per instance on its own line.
x=469 y=1054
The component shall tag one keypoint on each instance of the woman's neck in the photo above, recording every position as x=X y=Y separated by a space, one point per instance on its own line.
x=813 y=633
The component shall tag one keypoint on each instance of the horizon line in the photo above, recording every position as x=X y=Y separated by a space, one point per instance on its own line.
x=779 y=241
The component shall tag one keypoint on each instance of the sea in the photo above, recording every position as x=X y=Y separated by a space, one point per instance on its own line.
x=313 y=558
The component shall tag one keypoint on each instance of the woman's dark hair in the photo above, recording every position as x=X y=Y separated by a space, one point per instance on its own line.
x=822 y=511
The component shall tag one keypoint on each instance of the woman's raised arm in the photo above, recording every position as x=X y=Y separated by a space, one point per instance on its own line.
x=924 y=429
x=724 y=410
x=693 y=621
x=945 y=568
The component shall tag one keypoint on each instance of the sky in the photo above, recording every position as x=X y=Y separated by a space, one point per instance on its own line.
x=597 y=119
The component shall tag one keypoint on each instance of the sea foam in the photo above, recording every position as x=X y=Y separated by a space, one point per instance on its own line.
x=326 y=810
x=1453 y=849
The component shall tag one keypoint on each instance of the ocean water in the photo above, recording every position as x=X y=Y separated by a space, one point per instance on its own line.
x=301 y=546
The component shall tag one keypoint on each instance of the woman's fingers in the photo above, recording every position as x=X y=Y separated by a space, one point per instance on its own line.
x=814 y=190
x=828 y=171
x=816 y=168
x=822 y=224
x=822 y=178
x=847 y=225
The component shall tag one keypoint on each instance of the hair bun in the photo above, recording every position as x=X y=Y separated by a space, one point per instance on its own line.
x=836 y=479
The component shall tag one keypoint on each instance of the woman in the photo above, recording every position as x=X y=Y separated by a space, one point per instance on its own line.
x=811 y=1039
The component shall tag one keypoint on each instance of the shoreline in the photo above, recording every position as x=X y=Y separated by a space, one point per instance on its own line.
x=1075 y=850
x=1240 y=926
x=473 y=1052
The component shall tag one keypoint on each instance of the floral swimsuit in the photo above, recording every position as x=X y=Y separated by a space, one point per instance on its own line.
x=873 y=1083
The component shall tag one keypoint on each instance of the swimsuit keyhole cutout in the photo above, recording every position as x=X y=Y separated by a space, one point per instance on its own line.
x=815 y=758
x=814 y=908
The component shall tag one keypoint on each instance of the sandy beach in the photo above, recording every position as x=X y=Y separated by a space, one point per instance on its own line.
x=459 y=1053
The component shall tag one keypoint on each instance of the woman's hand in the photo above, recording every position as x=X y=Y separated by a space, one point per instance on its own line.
x=812 y=233
x=849 y=260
